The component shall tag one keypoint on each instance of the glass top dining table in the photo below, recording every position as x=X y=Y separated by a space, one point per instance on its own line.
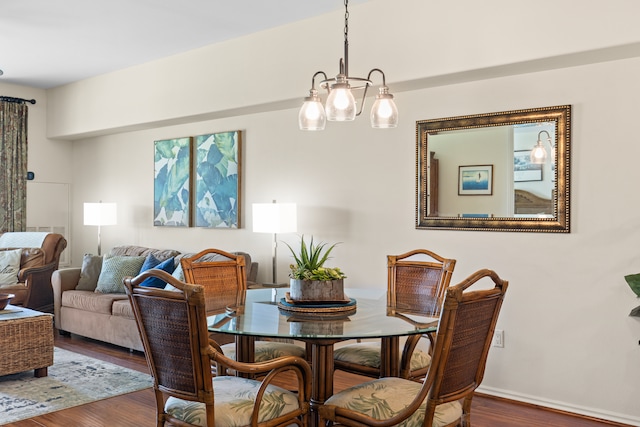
x=263 y=316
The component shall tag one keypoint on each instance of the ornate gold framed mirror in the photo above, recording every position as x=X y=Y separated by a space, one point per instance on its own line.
x=505 y=171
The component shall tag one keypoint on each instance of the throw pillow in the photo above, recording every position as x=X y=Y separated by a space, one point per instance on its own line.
x=9 y=267
x=154 y=282
x=178 y=273
x=116 y=268
x=170 y=287
x=89 y=272
x=149 y=262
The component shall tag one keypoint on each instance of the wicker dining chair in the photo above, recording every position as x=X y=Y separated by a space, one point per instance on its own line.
x=416 y=283
x=223 y=277
x=465 y=332
x=173 y=328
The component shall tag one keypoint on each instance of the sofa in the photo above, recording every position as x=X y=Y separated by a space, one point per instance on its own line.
x=104 y=313
x=29 y=259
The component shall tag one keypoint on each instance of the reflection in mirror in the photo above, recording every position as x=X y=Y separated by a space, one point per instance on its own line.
x=505 y=171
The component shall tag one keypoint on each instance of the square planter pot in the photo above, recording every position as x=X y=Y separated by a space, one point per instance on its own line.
x=317 y=290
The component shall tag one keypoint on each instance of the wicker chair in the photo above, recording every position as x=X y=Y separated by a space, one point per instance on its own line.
x=223 y=277
x=173 y=328
x=221 y=273
x=417 y=281
x=464 y=336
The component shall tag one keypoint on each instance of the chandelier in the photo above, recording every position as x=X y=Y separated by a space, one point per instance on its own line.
x=341 y=104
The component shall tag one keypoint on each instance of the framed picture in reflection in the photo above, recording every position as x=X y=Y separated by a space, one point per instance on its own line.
x=523 y=169
x=476 y=180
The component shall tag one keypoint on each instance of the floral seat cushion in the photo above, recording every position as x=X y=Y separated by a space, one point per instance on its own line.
x=267 y=350
x=368 y=354
x=385 y=397
x=234 y=399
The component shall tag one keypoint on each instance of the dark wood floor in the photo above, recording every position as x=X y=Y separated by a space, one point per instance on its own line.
x=138 y=409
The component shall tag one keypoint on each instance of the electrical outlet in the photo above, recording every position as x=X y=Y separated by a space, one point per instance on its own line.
x=498 y=338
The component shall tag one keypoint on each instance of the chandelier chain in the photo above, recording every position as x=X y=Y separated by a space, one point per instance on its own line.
x=346 y=21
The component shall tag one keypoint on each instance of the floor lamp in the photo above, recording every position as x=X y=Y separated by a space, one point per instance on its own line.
x=274 y=218
x=100 y=214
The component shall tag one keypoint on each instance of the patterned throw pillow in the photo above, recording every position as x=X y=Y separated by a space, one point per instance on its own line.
x=89 y=273
x=9 y=267
x=154 y=282
x=116 y=268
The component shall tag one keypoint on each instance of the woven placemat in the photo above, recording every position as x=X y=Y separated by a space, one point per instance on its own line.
x=344 y=308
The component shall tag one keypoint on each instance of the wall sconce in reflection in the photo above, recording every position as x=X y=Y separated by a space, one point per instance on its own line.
x=538 y=154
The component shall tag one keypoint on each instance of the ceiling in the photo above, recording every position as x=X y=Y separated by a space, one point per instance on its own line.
x=45 y=43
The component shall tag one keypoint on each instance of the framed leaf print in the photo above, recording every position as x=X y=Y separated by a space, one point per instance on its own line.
x=171 y=183
x=217 y=173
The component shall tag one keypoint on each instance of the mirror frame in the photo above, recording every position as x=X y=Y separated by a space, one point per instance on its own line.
x=559 y=223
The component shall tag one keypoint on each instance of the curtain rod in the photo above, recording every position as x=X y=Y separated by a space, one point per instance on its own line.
x=11 y=99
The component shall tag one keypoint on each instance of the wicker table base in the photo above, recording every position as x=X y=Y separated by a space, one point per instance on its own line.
x=26 y=341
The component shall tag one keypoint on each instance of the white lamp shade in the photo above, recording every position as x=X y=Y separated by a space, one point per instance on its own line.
x=275 y=218
x=100 y=214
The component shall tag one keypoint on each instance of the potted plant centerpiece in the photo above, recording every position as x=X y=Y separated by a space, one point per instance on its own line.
x=310 y=280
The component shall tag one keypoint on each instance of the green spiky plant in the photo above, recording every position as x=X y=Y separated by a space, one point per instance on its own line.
x=310 y=262
x=633 y=280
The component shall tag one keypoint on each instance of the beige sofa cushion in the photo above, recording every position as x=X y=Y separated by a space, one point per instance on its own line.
x=91 y=301
x=122 y=308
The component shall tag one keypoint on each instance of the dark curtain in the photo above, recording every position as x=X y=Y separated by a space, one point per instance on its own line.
x=13 y=166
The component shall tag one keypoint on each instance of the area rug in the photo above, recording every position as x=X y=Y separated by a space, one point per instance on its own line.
x=72 y=380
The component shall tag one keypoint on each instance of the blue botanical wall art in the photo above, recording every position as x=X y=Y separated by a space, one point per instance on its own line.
x=171 y=185
x=217 y=180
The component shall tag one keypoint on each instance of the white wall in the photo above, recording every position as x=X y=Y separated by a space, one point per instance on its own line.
x=568 y=340
x=417 y=43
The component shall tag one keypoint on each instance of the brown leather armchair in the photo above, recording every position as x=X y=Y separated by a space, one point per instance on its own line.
x=37 y=264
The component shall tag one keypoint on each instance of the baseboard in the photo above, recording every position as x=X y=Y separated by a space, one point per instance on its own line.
x=561 y=406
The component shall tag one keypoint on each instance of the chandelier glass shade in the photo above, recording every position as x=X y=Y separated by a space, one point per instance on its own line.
x=341 y=105
x=312 y=115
